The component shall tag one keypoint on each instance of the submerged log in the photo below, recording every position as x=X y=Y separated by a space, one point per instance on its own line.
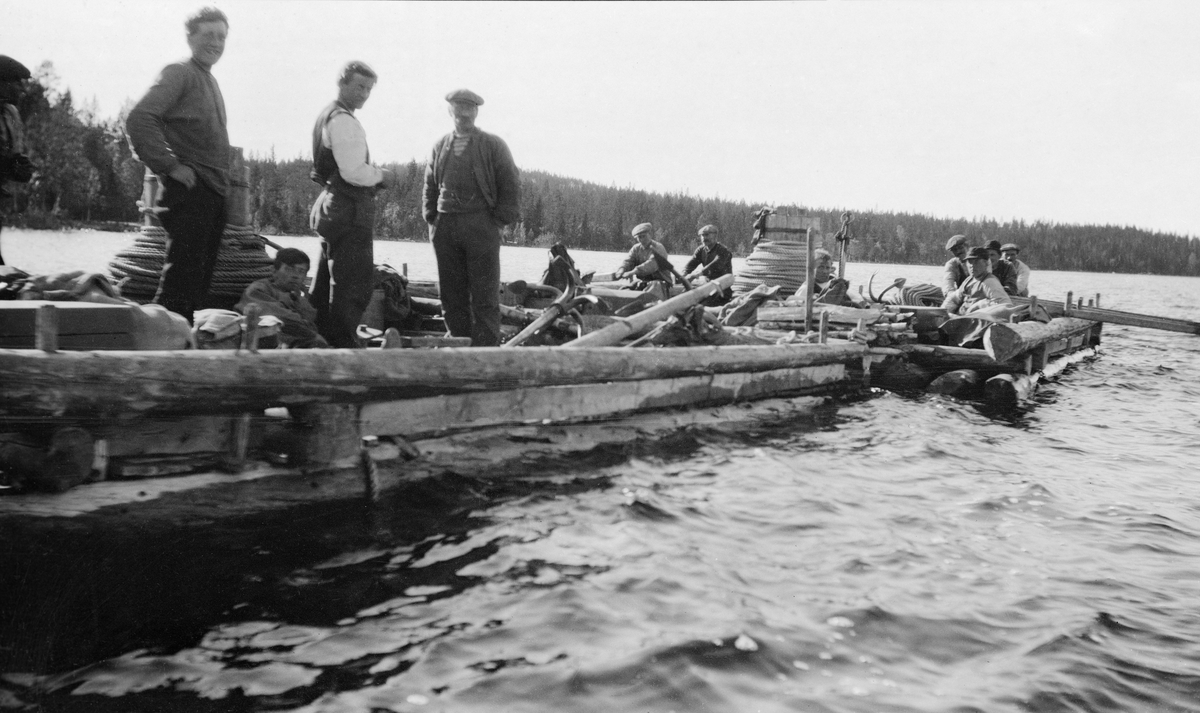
x=107 y=384
x=960 y=383
x=619 y=330
x=1005 y=341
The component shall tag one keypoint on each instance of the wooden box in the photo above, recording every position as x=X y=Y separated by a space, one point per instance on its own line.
x=81 y=325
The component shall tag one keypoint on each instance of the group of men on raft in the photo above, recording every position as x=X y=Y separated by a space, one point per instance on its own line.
x=973 y=278
x=982 y=276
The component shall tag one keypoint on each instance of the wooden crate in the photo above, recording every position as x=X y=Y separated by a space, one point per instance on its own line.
x=81 y=325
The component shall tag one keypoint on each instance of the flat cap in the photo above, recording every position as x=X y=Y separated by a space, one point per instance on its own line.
x=11 y=70
x=956 y=240
x=993 y=245
x=1010 y=247
x=642 y=228
x=978 y=254
x=707 y=229
x=464 y=96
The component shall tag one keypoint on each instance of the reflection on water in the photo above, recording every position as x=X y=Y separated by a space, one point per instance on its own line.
x=890 y=553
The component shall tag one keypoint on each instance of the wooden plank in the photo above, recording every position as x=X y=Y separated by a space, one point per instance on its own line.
x=837 y=314
x=1131 y=319
x=575 y=402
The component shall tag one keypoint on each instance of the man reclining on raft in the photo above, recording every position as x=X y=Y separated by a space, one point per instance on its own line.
x=283 y=295
x=978 y=291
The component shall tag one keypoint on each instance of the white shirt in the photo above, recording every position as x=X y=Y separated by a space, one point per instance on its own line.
x=346 y=137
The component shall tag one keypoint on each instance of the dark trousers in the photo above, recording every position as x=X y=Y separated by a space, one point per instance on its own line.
x=194 y=223
x=346 y=270
x=467 y=247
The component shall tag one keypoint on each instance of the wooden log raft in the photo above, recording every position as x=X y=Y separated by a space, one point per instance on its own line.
x=99 y=385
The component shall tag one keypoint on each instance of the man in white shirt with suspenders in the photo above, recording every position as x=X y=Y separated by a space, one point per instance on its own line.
x=344 y=214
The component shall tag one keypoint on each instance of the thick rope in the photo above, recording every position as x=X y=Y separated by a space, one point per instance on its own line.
x=777 y=262
x=241 y=259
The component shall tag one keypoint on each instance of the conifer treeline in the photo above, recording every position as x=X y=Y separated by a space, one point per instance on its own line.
x=87 y=173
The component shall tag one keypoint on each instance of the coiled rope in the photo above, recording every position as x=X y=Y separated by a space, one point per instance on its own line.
x=241 y=259
x=777 y=262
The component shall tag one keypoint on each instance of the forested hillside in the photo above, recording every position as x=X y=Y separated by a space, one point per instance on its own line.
x=88 y=174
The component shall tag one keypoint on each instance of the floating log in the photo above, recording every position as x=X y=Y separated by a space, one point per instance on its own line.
x=1008 y=390
x=98 y=385
x=1095 y=314
x=628 y=326
x=960 y=383
x=1005 y=341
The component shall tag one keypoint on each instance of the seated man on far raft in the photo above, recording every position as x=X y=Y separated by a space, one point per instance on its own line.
x=283 y=295
x=647 y=261
x=981 y=289
x=827 y=289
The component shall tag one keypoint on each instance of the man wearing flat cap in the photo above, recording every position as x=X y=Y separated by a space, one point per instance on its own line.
x=14 y=163
x=344 y=213
x=647 y=260
x=178 y=130
x=1004 y=272
x=710 y=261
x=955 y=271
x=1008 y=253
x=981 y=289
x=472 y=189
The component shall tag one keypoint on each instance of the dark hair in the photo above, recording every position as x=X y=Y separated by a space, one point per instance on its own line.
x=291 y=256
x=205 y=14
x=355 y=67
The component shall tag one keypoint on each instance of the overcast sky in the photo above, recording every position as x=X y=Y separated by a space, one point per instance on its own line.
x=1082 y=112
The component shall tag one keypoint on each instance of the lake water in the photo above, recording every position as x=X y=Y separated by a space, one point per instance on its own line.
x=889 y=553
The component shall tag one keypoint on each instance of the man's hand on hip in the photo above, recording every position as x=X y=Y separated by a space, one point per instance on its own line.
x=185 y=175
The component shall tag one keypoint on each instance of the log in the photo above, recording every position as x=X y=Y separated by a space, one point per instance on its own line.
x=623 y=328
x=1005 y=341
x=837 y=314
x=1131 y=319
x=111 y=383
x=421 y=417
x=1009 y=390
x=960 y=383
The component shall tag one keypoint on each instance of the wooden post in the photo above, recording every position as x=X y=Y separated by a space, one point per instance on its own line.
x=250 y=334
x=808 y=280
x=824 y=326
x=239 y=443
x=404 y=269
x=1033 y=305
x=46 y=328
x=1097 y=300
x=1068 y=304
x=1090 y=303
x=1080 y=304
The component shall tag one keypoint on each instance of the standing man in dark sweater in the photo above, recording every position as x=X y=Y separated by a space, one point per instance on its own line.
x=14 y=164
x=471 y=190
x=344 y=214
x=178 y=131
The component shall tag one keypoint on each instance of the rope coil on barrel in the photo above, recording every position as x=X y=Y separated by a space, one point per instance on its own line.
x=776 y=262
x=241 y=259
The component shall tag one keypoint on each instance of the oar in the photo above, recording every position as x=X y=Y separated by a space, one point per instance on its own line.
x=1112 y=316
